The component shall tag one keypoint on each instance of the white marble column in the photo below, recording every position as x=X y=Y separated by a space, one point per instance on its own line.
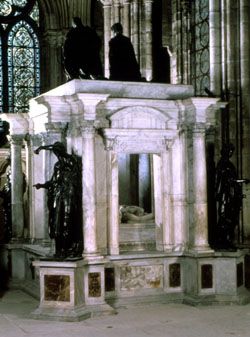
x=126 y=17
x=178 y=192
x=107 y=33
x=148 y=40
x=200 y=217
x=89 y=189
x=215 y=46
x=167 y=223
x=113 y=197
x=17 y=214
x=144 y=181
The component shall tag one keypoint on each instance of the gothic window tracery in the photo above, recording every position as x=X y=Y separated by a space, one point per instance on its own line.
x=200 y=71
x=19 y=54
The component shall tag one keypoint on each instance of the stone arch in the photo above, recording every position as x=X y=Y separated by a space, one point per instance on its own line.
x=139 y=117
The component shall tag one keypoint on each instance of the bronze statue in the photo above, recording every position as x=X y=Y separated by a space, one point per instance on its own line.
x=5 y=195
x=4 y=131
x=122 y=61
x=64 y=202
x=229 y=199
x=81 y=52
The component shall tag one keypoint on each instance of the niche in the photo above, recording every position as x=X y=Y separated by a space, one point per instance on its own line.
x=136 y=201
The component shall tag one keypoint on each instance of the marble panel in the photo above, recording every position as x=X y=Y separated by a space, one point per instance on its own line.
x=57 y=288
x=174 y=275
x=94 y=284
x=125 y=89
x=141 y=277
x=109 y=279
x=206 y=276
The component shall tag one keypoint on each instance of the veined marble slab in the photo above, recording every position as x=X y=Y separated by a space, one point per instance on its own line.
x=119 y=89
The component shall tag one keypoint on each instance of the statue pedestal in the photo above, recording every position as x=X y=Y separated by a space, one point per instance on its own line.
x=71 y=290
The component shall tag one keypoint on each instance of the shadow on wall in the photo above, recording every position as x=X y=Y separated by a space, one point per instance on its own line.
x=247 y=271
x=4 y=272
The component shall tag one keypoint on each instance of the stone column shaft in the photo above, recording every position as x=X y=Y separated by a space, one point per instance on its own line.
x=178 y=193
x=245 y=53
x=17 y=213
x=107 y=35
x=89 y=190
x=200 y=190
x=135 y=28
x=148 y=40
x=116 y=11
x=215 y=46
x=167 y=223
x=113 y=230
x=126 y=18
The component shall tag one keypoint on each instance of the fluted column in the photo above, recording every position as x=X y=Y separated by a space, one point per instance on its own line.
x=89 y=189
x=17 y=213
x=107 y=33
x=148 y=40
x=126 y=17
x=215 y=46
x=200 y=218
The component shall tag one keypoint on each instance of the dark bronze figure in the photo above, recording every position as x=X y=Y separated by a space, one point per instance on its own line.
x=81 y=52
x=5 y=195
x=4 y=131
x=229 y=199
x=122 y=61
x=64 y=202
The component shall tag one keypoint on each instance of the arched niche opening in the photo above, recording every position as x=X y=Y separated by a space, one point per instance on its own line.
x=136 y=202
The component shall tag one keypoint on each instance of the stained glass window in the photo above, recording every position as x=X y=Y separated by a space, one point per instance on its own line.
x=20 y=55
x=200 y=46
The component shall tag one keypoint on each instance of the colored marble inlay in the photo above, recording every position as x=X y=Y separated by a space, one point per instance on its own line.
x=57 y=288
x=174 y=275
x=109 y=279
x=94 y=284
x=206 y=276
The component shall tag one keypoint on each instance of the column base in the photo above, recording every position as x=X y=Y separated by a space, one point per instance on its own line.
x=92 y=256
x=201 y=250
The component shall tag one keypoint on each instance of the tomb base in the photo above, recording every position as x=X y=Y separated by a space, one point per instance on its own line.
x=71 y=290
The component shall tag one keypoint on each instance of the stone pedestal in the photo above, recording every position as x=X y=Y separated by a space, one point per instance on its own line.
x=220 y=278
x=71 y=290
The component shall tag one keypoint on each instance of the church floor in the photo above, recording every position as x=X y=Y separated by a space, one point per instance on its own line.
x=158 y=320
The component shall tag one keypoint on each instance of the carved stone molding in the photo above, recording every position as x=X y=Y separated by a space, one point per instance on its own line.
x=109 y=144
x=138 y=141
x=17 y=140
x=168 y=143
x=87 y=127
x=106 y=2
